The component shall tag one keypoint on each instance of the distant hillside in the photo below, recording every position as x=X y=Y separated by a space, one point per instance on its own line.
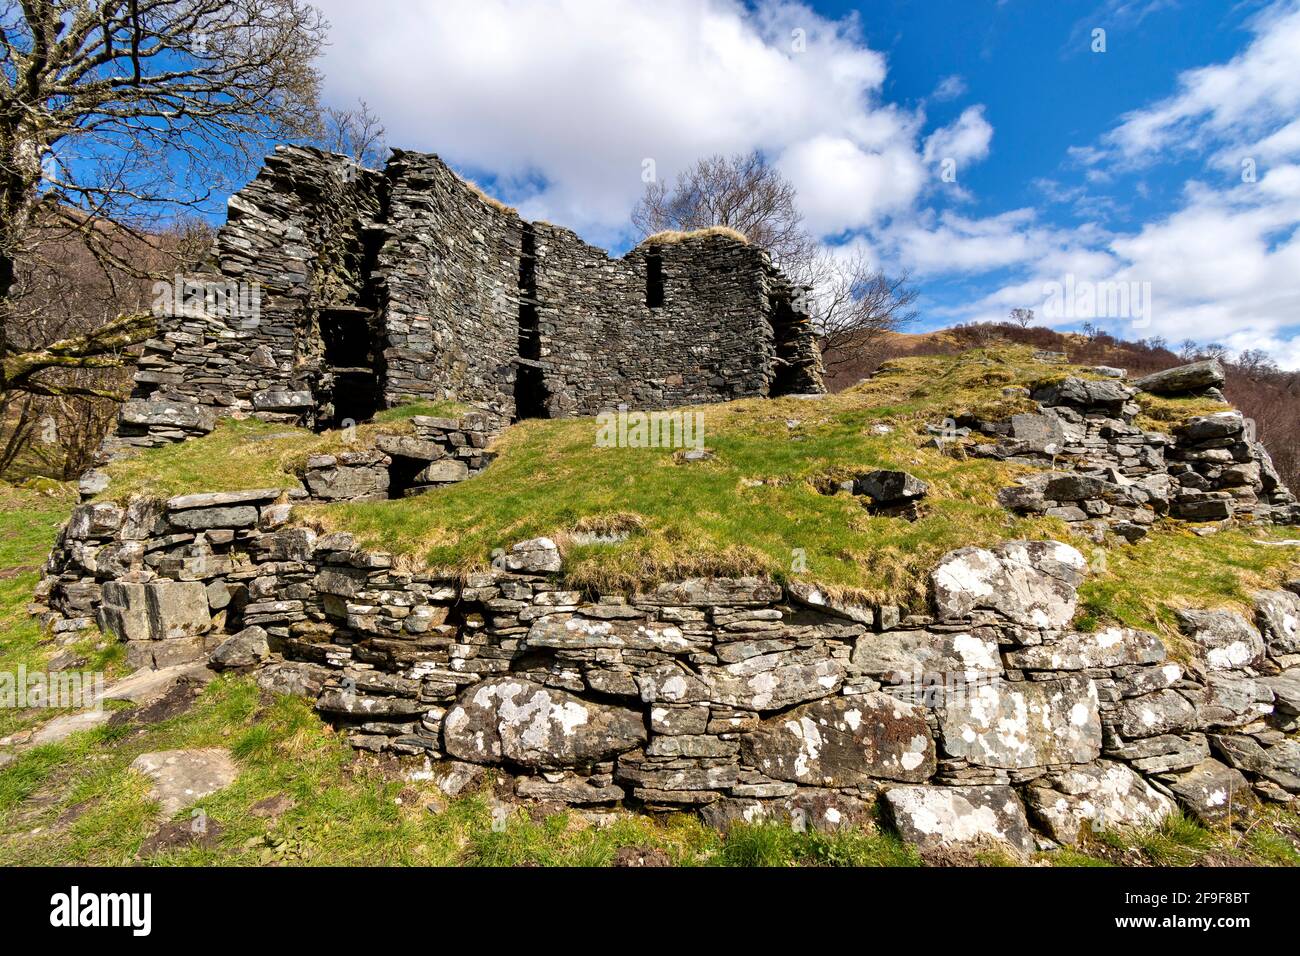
x=1263 y=392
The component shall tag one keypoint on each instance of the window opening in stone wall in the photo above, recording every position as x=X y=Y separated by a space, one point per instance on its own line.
x=530 y=385
x=654 y=280
x=350 y=376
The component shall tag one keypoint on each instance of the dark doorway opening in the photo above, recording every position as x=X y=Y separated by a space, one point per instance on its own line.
x=350 y=379
x=654 y=280
x=786 y=327
x=403 y=474
x=531 y=396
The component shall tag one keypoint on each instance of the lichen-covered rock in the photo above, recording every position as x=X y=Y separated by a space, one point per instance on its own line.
x=1024 y=724
x=1278 y=615
x=1110 y=647
x=1224 y=638
x=1106 y=794
x=569 y=631
x=1211 y=791
x=932 y=817
x=823 y=811
x=694 y=592
x=1279 y=763
x=534 y=556
x=1230 y=699
x=1185 y=378
x=844 y=742
x=508 y=719
x=1032 y=583
x=1152 y=715
x=972 y=654
x=773 y=681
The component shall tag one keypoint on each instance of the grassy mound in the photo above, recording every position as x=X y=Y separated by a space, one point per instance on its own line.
x=629 y=517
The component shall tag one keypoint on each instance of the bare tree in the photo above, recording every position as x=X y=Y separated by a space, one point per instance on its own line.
x=854 y=306
x=741 y=192
x=1023 y=317
x=113 y=110
x=355 y=132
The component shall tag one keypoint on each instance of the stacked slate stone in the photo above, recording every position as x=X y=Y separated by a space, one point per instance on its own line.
x=447 y=274
x=1102 y=472
x=735 y=697
x=446 y=294
x=441 y=452
x=242 y=338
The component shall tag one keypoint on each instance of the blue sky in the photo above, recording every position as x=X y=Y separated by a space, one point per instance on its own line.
x=989 y=147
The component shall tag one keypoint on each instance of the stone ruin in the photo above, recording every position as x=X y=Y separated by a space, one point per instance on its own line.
x=336 y=291
x=986 y=716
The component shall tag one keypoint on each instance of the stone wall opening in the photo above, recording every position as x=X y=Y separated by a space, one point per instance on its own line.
x=530 y=385
x=350 y=376
x=785 y=339
x=654 y=280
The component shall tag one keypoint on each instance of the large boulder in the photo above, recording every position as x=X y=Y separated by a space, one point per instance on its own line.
x=934 y=817
x=890 y=487
x=155 y=611
x=1040 y=433
x=1023 y=724
x=508 y=719
x=1104 y=794
x=1032 y=583
x=158 y=413
x=1206 y=428
x=1085 y=393
x=1195 y=377
x=844 y=742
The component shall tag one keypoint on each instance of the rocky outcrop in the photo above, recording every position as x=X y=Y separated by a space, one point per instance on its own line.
x=1184 y=379
x=1103 y=473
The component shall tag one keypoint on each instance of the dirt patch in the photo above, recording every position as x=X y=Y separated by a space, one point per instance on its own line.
x=272 y=808
x=176 y=701
x=181 y=835
x=641 y=856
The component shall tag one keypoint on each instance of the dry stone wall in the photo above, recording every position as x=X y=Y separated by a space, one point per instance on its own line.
x=986 y=717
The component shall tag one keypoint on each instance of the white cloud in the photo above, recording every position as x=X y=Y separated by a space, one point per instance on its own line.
x=574 y=95
x=966 y=139
x=1229 y=104
x=949 y=88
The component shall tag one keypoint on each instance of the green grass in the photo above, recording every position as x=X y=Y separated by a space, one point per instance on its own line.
x=77 y=802
x=1141 y=585
x=29 y=524
x=442 y=409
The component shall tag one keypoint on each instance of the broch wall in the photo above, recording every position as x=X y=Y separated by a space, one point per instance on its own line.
x=337 y=290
